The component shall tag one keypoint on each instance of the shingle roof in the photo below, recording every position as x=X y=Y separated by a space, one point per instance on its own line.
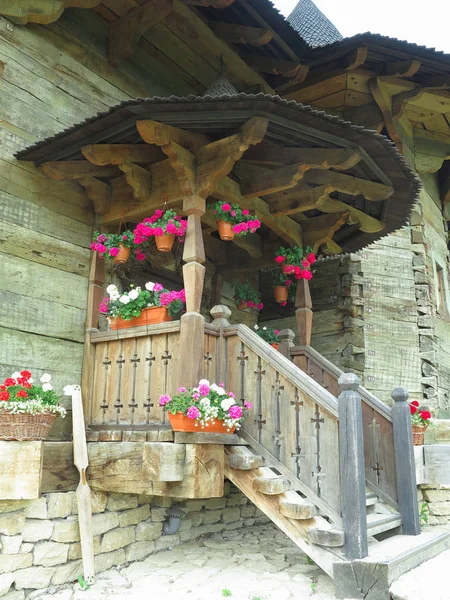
x=313 y=26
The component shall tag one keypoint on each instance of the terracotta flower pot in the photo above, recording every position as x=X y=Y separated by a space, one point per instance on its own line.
x=226 y=232
x=281 y=293
x=124 y=254
x=165 y=242
x=287 y=269
x=275 y=345
x=181 y=422
x=149 y=316
x=242 y=305
x=418 y=432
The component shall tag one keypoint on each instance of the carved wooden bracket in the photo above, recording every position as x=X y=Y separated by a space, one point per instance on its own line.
x=22 y=12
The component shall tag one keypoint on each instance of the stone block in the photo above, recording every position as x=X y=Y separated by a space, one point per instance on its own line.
x=36 y=530
x=75 y=549
x=26 y=547
x=35 y=578
x=103 y=522
x=13 y=562
x=185 y=536
x=432 y=520
x=117 y=538
x=98 y=502
x=212 y=516
x=10 y=544
x=215 y=503
x=134 y=515
x=196 y=518
x=6 y=581
x=232 y=526
x=7 y=506
x=439 y=508
x=227 y=486
x=47 y=554
x=162 y=501
x=185 y=525
x=37 y=509
x=231 y=514
x=196 y=532
x=248 y=511
x=194 y=505
x=166 y=542
x=12 y=523
x=237 y=500
x=103 y=562
x=144 y=499
x=121 y=501
x=17 y=595
x=159 y=514
x=66 y=531
x=59 y=505
x=139 y=550
x=148 y=531
x=436 y=495
x=67 y=573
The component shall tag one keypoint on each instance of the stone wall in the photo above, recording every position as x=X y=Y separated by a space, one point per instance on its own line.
x=40 y=540
x=436 y=499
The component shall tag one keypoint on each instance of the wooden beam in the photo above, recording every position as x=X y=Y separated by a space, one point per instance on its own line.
x=98 y=192
x=400 y=101
x=431 y=149
x=256 y=181
x=241 y=34
x=445 y=191
x=139 y=179
x=160 y=134
x=319 y=230
x=183 y=163
x=211 y=3
x=433 y=81
x=282 y=84
x=317 y=158
x=75 y=169
x=384 y=100
x=347 y=184
x=274 y=66
x=367 y=223
x=125 y=32
x=400 y=68
x=308 y=198
x=40 y=11
x=114 y=154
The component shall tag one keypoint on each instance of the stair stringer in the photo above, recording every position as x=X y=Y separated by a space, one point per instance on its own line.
x=296 y=530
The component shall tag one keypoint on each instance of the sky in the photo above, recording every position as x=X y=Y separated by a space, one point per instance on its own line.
x=421 y=22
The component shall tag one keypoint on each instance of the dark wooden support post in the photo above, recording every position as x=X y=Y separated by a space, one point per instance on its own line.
x=303 y=314
x=220 y=314
x=286 y=342
x=404 y=463
x=351 y=461
x=192 y=331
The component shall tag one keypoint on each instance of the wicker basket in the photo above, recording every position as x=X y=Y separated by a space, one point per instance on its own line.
x=418 y=433
x=25 y=427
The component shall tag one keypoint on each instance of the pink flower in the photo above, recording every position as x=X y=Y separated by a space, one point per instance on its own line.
x=102 y=238
x=158 y=287
x=193 y=412
x=311 y=258
x=171 y=229
x=250 y=304
x=113 y=251
x=260 y=306
x=276 y=331
x=181 y=390
x=196 y=396
x=305 y=263
x=221 y=385
x=101 y=249
x=158 y=213
x=139 y=255
x=204 y=389
x=233 y=213
x=159 y=231
x=290 y=269
x=124 y=237
x=94 y=246
x=226 y=207
x=235 y=411
x=308 y=275
x=104 y=306
x=165 y=399
x=231 y=395
x=283 y=303
x=248 y=405
x=288 y=282
x=245 y=212
x=297 y=270
x=279 y=259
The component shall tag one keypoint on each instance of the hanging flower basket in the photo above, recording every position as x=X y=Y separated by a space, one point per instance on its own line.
x=149 y=316
x=295 y=261
x=280 y=293
x=232 y=221
x=123 y=255
x=165 y=242
x=164 y=226
x=420 y=421
x=116 y=246
x=245 y=296
x=226 y=232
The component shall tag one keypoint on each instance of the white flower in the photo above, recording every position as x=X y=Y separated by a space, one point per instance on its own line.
x=133 y=294
x=139 y=290
x=264 y=328
x=112 y=290
x=46 y=378
x=124 y=299
x=205 y=402
x=68 y=390
x=16 y=375
x=218 y=389
x=204 y=382
x=149 y=286
x=47 y=387
x=256 y=327
x=30 y=380
x=227 y=403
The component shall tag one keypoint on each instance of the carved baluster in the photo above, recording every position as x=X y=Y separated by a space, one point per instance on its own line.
x=278 y=437
x=286 y=342
x=297 y=454
x=303 y=314
x=220 y=314
x=259 y=421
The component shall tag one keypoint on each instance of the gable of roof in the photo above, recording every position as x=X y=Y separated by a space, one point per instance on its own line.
x=312 y=25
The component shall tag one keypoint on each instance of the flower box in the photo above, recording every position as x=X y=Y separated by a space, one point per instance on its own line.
x=181 y=422
x=149 y=316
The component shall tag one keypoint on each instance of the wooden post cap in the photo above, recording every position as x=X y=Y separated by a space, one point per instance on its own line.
x=286 y=335
x=400 y=394
x=348 y=381
x=220 y=311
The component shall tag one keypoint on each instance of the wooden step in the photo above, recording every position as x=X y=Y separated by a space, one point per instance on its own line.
x=294 y=506
x=325 y=534
x=371 y=499
x=377 y=523
x=270 y=483
x=244 y=459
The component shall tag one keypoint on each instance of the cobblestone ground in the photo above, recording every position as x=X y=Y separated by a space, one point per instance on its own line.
x=260 y=563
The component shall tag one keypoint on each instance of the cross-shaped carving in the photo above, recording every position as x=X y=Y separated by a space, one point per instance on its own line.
x=208 y=357
x=118 y=406
x=377 y=469
x=150 y=359
x=106 y=362
x=104 y=406
x=277 y=388
x=317 y=420
x=242 y=358
x=374 y=429
x=166 y=357
x=120 y=361
x=260 y=422
x=148 y=405
x=135 y=360
x=133 y=405
x=297 y=403
x=259 y=373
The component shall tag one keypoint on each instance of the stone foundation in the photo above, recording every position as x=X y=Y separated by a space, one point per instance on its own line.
x=437 y=499
x=40 y=540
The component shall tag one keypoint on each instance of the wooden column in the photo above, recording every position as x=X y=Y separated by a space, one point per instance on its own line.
x=351 y=468
x=192 y=332
x=220 y=314
x=405 y=467
x=286 y=342
x=303 y=314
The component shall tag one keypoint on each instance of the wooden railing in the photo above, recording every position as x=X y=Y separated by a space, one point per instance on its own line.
x=379 y=451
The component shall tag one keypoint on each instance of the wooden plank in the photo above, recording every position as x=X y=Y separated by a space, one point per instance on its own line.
x=115 y=154
x=241 y=34
x=348 y=184
x=20 y=470
x=340 y=159
x=59 y=474
x=164 y=462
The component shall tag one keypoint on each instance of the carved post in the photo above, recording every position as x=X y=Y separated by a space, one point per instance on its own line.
x=405 y=467
x=192 y=330
x=351 y=468
x=286 y=342
x=220 y=314
x=303 y=314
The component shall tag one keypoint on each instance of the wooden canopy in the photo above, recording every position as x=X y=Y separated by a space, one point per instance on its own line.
x=310 y=178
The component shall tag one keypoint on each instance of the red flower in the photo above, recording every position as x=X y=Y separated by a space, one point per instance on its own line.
x=4 y=396
x=27 y=385
x=9 y=381
x=311 y=258
x=283 y=303
x=425 y=415
x=414 y=403
x=25 y=374
x=413 y=409
x=279 y=259
x=226 y=207
x=21 y=394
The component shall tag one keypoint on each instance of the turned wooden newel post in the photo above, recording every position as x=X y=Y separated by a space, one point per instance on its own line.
x=405 y=467
x=192 y=330
x=286 y=342
x=220 y=314
x=303 y=314
x=351 y=468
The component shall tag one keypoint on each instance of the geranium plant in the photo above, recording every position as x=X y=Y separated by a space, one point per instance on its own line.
x=420 y=418
x=162 y=222
x=205 y=404
x=18 y=394
x=296 y=261
x=246 y=296
x=268 y=334
x=130 y=304
x=241 y=219
x=108 y=244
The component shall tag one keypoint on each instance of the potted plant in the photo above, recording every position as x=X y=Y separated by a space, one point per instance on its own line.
x=116 y=246
x=420 y=420
x=27 y=410
x=296 y=261
x=207 y=406
x=164 y=226
x=269 y=335
x=233 y=220
x=245 y=296
x=281 y=286
x=148 y=306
